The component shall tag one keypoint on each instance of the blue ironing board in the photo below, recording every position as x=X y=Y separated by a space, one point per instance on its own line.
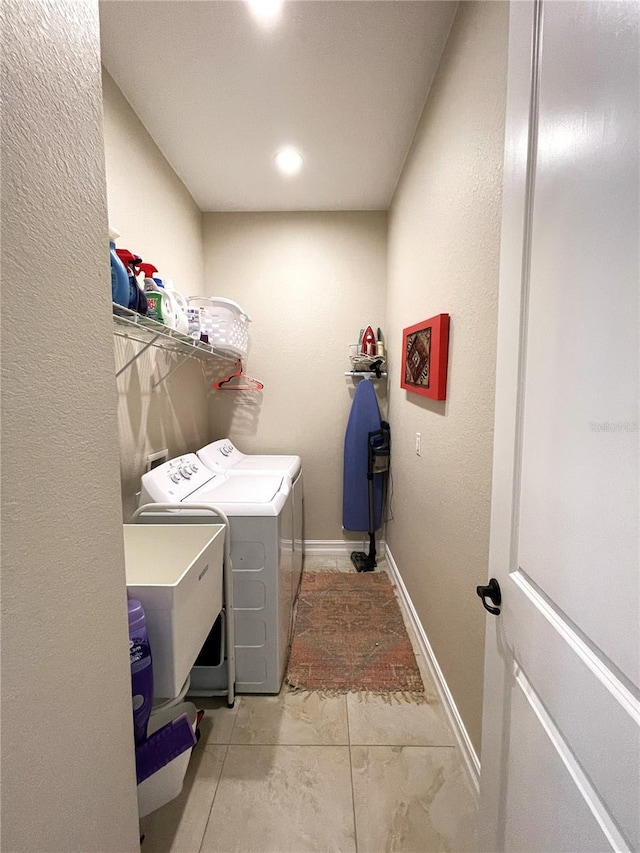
x=364 y=418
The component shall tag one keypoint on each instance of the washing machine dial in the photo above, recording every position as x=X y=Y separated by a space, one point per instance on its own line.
x=176 y=476
x=186 y=471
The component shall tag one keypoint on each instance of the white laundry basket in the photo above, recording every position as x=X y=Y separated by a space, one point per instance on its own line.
x=166 y=784
x=225 y=323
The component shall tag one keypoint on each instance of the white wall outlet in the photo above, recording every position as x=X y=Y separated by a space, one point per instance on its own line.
x=155 y=459
x=418 y=444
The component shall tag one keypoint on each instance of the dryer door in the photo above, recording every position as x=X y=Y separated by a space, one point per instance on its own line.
x=298 y=534
x=286 y=582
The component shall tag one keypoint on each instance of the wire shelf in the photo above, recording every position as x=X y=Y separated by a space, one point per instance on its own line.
x=129 y=324
x=361 y=364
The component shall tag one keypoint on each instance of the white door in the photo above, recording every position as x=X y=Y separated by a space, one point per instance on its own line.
x=561 y=734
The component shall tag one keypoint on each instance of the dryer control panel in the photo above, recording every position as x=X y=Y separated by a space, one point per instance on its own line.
x=175 y=480
x=222 y=454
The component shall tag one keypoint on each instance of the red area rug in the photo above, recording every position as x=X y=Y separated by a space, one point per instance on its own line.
x=350 y=636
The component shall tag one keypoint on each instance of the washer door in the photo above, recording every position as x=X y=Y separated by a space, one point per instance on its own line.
x=246 y=495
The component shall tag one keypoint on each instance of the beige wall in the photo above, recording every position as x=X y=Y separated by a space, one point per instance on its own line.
x=158 y=219
x=148 y=203
x=444 y=229
x=68 y=778
x=310 y=281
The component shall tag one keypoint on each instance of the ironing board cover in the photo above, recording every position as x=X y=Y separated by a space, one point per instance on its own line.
x=364 y=417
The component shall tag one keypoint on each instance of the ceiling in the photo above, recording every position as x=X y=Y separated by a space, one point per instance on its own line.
x=343 y=82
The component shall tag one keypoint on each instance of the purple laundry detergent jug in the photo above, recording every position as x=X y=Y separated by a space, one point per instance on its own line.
x=141 y=670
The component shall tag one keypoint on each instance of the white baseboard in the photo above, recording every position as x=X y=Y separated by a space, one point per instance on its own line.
x=339 y=547
x=469 y=755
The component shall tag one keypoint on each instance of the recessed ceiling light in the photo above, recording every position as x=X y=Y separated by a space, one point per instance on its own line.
x=289 y=161
x=266 y=12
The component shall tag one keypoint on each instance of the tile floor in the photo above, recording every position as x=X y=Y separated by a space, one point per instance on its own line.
x=297 y=772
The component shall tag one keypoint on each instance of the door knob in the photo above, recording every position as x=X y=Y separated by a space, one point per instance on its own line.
x=492 y=591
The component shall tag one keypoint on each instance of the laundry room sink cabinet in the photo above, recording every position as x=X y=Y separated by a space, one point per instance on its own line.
x=175 y=570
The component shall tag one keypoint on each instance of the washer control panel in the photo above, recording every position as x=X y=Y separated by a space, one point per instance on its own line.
x=176 y=479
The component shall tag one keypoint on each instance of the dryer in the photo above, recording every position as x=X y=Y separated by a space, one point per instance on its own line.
x=259 y=508
x=223 y=455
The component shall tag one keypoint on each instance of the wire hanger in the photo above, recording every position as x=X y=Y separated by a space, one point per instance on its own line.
x=228 y=384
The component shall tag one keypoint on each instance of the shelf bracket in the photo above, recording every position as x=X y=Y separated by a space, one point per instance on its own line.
x=365 y=374
x=149 y=333
x=133 y=358
x=178 y=364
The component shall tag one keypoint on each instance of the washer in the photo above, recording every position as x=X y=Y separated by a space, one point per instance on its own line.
x=259 y=507
x=223 y=455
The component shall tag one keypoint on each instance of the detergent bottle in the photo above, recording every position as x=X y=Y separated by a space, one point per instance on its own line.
x=141 y=669
x=180 y=305
x=161 y=306
x=193 y=322
x=137 y=298
x=119 y=274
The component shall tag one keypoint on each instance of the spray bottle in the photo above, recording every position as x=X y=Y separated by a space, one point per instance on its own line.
x=160 y=303
x=137 y=298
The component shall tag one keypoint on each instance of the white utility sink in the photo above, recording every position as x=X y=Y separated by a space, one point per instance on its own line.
x=175 y=571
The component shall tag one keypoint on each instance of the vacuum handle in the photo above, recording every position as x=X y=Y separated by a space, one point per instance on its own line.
x=379 y=453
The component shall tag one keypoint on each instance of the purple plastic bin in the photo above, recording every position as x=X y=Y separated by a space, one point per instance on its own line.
x=163 y=746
